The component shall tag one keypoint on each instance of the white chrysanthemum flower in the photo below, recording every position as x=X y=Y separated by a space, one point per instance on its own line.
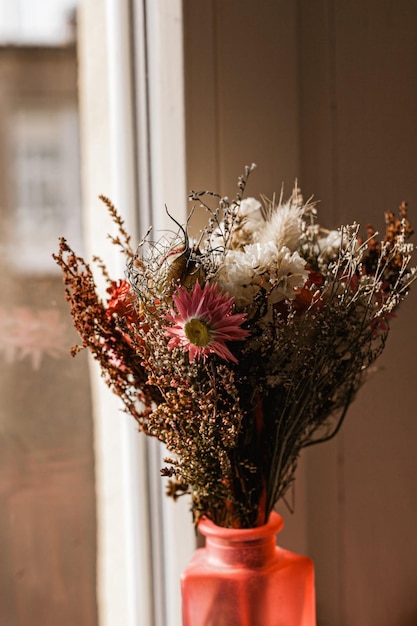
x=258 y=265
x=259 y=258
x=284 y=227
x=251 y=210
x=238 y=275
x=330 y=245
x=249 y=221
x=337 y=241
x=290 y=274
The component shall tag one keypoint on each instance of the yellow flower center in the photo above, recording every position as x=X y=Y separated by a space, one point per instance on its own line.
x=197 y=332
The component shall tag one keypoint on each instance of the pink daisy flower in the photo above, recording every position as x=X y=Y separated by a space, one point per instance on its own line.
x=204 y=322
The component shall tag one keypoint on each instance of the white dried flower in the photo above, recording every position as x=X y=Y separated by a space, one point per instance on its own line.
x=290 y=274
x=284 y=227
x=330 y=245
x=279 y=272
x=249 y=221
x=251 y=210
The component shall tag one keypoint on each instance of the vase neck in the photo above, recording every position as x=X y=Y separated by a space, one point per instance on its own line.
x=250 y=554
x=254 y=547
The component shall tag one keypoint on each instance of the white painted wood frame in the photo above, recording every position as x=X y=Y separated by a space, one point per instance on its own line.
x=133 y=150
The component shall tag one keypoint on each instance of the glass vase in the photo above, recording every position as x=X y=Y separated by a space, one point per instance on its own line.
x=242 y=578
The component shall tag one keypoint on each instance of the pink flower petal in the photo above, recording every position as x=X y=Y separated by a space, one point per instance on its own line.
x=214 y=309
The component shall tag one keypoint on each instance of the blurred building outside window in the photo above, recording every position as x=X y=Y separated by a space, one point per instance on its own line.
x=47 y=489
x=37 y=22
x=46 y=198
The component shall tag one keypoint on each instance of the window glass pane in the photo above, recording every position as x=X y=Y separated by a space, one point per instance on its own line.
x=37 y=21
x=47 y=506
x=45 y=185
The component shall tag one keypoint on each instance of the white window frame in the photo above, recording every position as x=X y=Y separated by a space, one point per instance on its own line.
x=133 y=150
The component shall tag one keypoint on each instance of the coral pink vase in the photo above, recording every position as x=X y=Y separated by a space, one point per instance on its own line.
x=241 y=578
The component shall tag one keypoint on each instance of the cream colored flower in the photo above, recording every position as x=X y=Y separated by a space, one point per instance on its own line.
x=262 y=265
x=284 y=227
x=290 y=274
x=248 y=223
x=329 y=246
x=250 y=209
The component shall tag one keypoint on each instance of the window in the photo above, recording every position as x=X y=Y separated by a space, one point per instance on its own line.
x=45 y=185
x=47 y=489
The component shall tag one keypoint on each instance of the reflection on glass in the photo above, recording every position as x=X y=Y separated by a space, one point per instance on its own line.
x=47 y=509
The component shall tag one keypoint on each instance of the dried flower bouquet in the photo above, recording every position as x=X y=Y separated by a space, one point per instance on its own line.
x=241 y=348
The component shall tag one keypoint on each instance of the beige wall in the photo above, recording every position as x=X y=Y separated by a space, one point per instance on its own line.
x=359 y=93
x=326 y=91
x=241 y=94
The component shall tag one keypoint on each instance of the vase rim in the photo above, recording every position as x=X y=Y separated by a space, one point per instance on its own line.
x=210 y=529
